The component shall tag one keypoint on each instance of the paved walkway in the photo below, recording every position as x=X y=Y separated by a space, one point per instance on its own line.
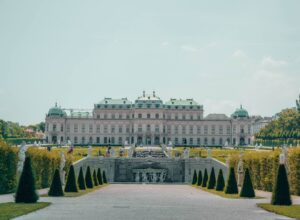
x=151 y=202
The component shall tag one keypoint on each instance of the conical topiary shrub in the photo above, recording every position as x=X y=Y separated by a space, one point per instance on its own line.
x=81 y=180
x=104 y=177
x=231 y=185
x=56 y=186
x=281 y=191
x=99 y=176
x=194 y=178
x=220 y=181
x=95 y=178
x=212 y=179
x=199 y=182
x=71 y=185
x=205 y=178
x=26 y=188
x=88 y=178
x=247 y=188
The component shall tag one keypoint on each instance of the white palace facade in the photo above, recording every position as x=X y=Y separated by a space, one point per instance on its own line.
x=148 y=121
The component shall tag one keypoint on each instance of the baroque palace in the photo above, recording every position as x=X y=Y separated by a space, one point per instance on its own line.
x=148 y=121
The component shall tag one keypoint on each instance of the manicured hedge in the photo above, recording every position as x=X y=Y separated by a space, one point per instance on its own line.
x=264 y=164
x=43 y=164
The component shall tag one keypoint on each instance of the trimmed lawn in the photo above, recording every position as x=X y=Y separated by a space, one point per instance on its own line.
x=222 y=194
x=292 y=211
x=80 y=193
x=11 y=210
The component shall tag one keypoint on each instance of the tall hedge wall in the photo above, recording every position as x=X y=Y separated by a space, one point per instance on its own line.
x=264 y=165
x=44 y=164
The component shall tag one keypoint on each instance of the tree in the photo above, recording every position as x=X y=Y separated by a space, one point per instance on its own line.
x=95 y=178
x=298 y=104
x=26 y=188
x=205 y=178
x=88 y=178
x=104 y=177
x=199 y=182
x=56 y=186
x=194 y=178
x=231 y=186
x=220 y=181
x=81 y=180
x=99 y=176
x=212 y=179
x=281 y=192
x=71 y=185
x=247 y=187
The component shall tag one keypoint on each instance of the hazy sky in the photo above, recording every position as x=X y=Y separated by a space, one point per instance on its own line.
x=221 y=53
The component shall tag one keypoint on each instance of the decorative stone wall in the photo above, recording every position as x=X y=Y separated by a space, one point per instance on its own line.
x=122 y=169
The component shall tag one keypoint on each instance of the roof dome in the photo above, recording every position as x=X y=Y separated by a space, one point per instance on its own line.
x=56 y=111
x=240 y=113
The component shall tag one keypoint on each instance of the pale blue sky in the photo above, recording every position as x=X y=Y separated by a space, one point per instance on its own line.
x=221 y=53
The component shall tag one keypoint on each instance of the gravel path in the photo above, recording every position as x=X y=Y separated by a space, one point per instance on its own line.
x=141 y=201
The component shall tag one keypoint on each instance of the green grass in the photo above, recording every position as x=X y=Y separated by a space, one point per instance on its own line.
x=292 y=211
x=80 y=193
x=11 y=210
x=222 y=194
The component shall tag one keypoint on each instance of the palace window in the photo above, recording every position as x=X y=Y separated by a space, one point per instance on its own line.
x=176 y=141
x=213 y=141
x=176 y=116
x=127 y=129
x=220 y=141
x=120 y=140
x=98 y=116
x=112 y=140
x=75 y=128
x=91 y=140
x=221 y=129
x=91 y=128
x=83 y=140
x=198 y=129
x=234 y=129
x=157 y=116
x=105 y=116
x=249 y=130
x=228 y=129
x=148 y=128
x=120 y=116
x=140 y=128
x=191 y=129
x=213 y=129
x=68 y=127
x=105 y=129
x=176 y=129
x=112 y=129
x=205 y=129
x=148 y=116
x=98 y=140
x=120 y=129
x=54 y=127
x=113 y=116
x=156 y=128
x=75 y=140
x=98 y=128
x=198 y=141
x=183 y=117
x=139 y=115
x=191 y=141
x=183 y=130
x=61 y=128
x=105 y=140
x=83 y=128
x=205 y=141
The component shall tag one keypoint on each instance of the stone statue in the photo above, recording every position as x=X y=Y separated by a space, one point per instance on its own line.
x=170 y=152
x=283 y=157
x=90 y=151
x=61 y=167
x=130 y=151
x=21 y=156
x=240 y=170
x=145 y=179
x=209 y=153
x=186 y=153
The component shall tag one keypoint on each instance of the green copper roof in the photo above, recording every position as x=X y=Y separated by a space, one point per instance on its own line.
x=110 y=101
x=182 y=102
x=240 y=113
x=56 y=111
